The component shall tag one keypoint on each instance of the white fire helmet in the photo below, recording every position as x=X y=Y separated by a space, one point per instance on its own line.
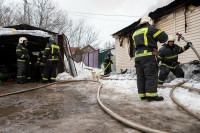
x=22 y=39
x=170 y=38
x=146 y=19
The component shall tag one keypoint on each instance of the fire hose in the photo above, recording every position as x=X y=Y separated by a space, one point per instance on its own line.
x=177 y=102
x=114 y=115
x=183 y=38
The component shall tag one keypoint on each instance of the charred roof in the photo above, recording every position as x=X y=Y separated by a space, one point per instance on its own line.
x=157 y=14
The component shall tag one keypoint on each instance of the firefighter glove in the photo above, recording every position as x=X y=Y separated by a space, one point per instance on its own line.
x=195 y=62
x=189 y=44
x=196 y=71
x=44 y=60
x=27 y=57
x=155 y=52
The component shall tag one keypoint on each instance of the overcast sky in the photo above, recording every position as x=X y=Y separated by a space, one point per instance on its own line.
x=107 y=25
x=131 y=11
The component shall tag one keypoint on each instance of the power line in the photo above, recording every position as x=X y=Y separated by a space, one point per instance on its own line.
x=102 y=14
x=99 y=18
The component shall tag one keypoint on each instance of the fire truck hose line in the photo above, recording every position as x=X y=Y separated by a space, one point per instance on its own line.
x=123 y=120
x=181 y=105
x=110 y=112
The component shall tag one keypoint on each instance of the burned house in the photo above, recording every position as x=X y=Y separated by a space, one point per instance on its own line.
x=181 y=16
x=37 y=41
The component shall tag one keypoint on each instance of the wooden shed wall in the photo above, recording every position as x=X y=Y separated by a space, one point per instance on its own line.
x=175 y=22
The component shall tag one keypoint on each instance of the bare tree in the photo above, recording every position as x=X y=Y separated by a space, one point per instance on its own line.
x=6 y=14
x=45 y=14
x=81 y=34
x=109 y=44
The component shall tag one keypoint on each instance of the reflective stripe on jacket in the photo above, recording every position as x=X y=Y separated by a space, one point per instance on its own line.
x=22 y=53
x=146 y=38
x=168 y=55
x=51 y=52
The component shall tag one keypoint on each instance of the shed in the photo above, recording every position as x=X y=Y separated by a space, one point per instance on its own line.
x=37 y=40
x=181 y=16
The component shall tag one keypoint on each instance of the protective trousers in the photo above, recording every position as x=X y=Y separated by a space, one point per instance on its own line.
x=147 y=75
x=21 y=71
x=41 y=68
x=108 y=69
x=28 y=72
x=164 y=72
x=50 y=70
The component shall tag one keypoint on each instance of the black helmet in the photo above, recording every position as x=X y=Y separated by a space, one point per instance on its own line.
x=110 y=54
x=52 y=40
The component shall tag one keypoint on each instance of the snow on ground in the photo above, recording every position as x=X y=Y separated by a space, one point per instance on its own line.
x=84 y=73
x=128 y=86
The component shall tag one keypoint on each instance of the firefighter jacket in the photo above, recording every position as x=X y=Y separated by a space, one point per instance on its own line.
x=22 y=53
x=39 y=58
x=107 y=60
x=145 y=40
x=168 y=55
x=51 y=52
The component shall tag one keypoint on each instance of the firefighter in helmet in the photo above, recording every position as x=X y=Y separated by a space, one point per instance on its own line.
x=168 y=55
x=22 y=60
x=145 y=40
x=50 y=58
x=107 y=60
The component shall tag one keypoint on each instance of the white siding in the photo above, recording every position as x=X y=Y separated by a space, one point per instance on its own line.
x=170 y=23
x=175 y=22
x=122 y=56
x=113 y=66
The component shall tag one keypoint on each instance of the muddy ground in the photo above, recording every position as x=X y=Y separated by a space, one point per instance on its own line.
x=72 y=107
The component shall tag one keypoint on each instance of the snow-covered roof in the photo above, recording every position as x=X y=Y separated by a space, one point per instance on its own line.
x=12 y=31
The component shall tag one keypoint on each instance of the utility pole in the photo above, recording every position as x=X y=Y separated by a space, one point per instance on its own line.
x=25 y=10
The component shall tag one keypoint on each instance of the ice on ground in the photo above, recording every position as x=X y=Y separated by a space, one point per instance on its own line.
x=128 y=86
x=83 y=72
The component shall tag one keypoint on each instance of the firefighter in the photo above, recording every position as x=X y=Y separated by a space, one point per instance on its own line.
x=168 y=55
x=107 y=60
x=28 y=71
x=50 y=58
x=145 y=40
x=41 y=63
x=22 y=60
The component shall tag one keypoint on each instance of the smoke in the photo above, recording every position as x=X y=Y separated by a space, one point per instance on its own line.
x=159 y=4
x=109 y=5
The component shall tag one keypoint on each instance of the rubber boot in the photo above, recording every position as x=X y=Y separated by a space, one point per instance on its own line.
x=157 y=98
x=143 y=98
x=20 y=82
x=43 y=81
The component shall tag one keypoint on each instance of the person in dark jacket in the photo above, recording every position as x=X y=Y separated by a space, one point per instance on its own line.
x=40 y=63
x=168 y=55
x=50 y=58
x=145 y=42
x=22 y=60
x=107 y=60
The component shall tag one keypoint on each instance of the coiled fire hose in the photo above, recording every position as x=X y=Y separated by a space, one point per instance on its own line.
x=39 y=87
x=114 y=115
x=138 y=126
x=123 y=120
x=181 y=105
x=177 y=102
